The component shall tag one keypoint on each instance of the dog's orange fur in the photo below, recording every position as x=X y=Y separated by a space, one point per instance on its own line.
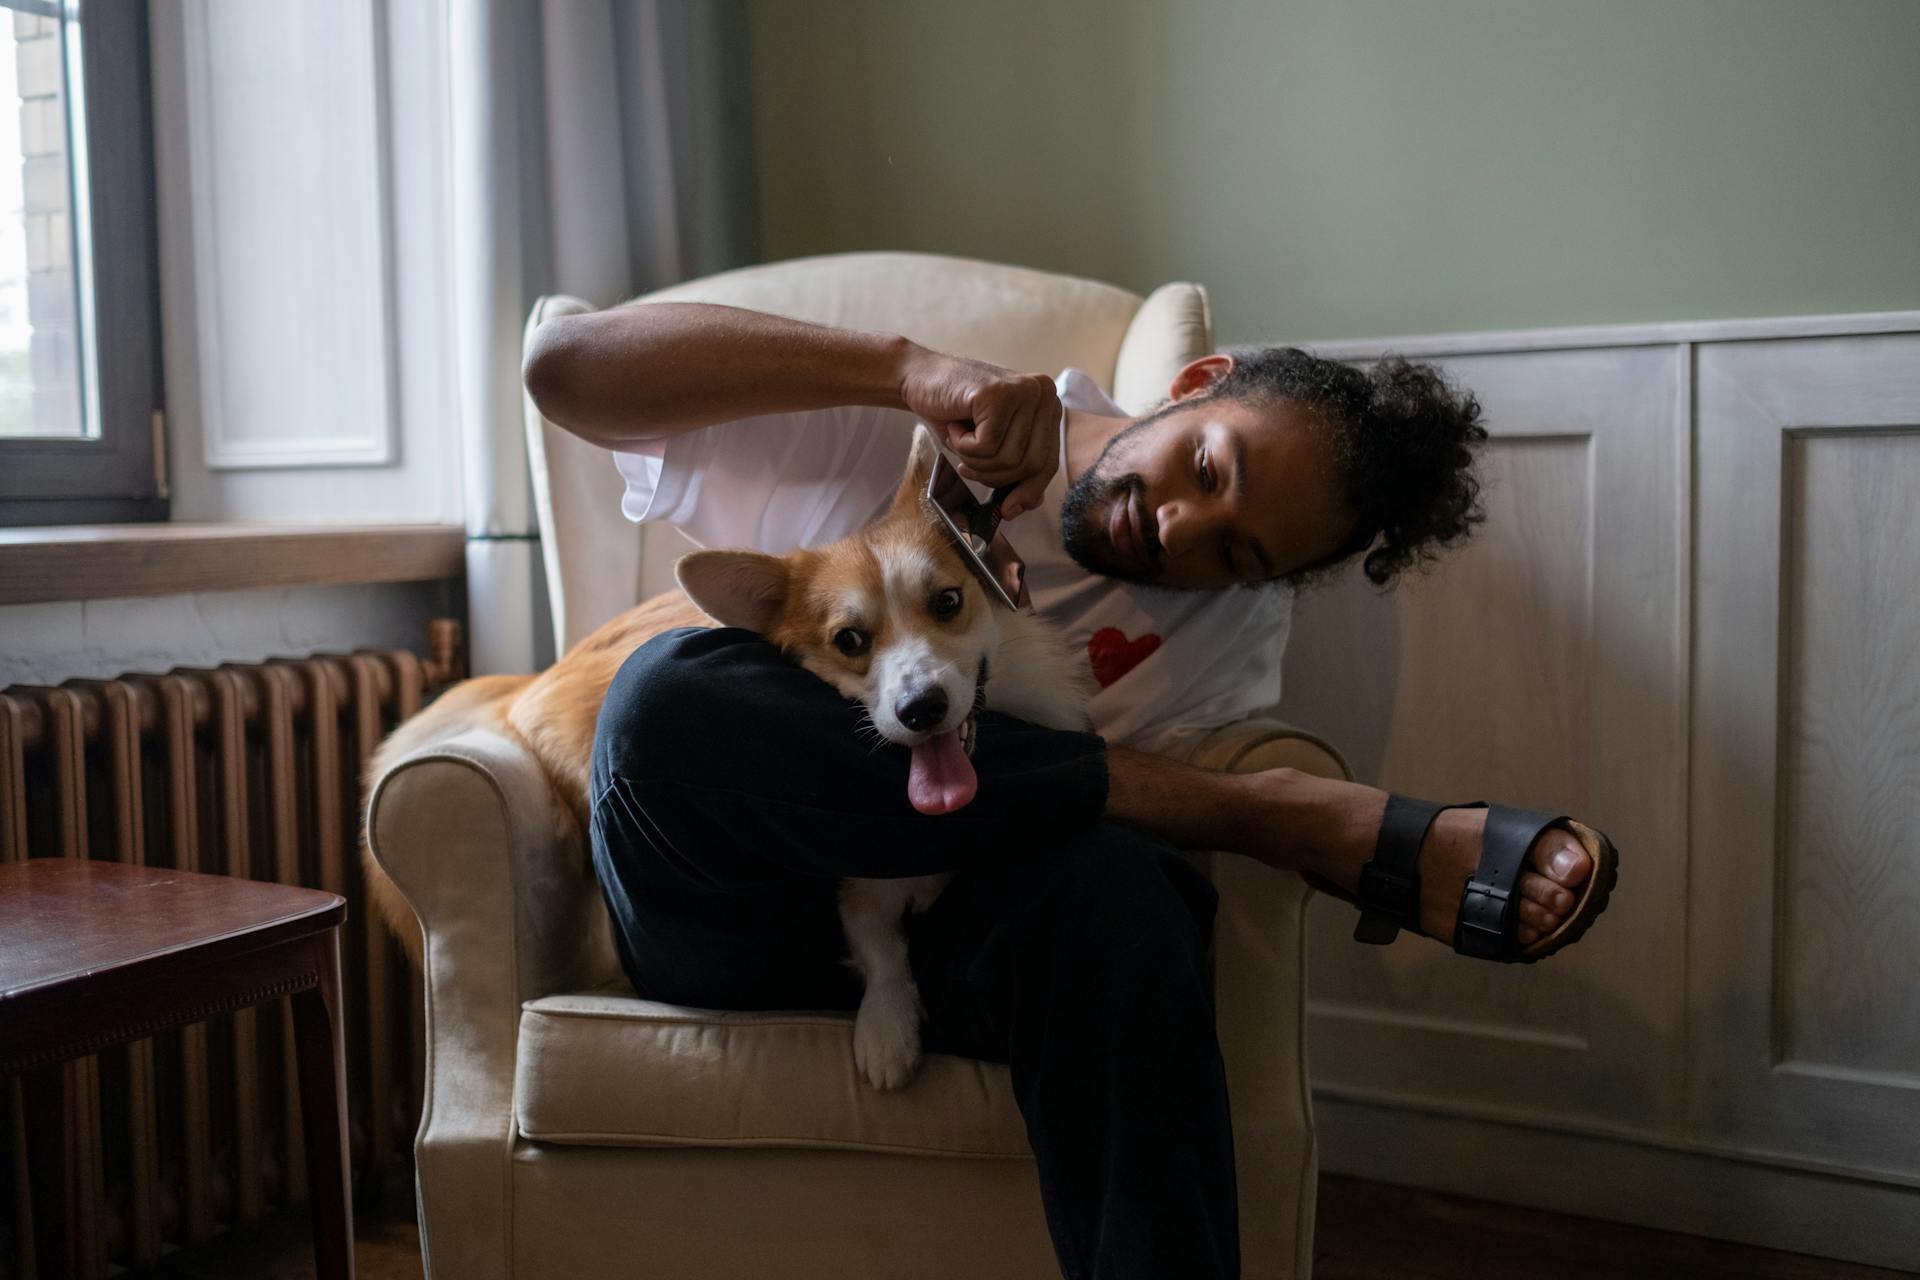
x=551 y=714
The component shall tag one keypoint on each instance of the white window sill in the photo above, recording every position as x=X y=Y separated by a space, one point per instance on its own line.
x=99 y=562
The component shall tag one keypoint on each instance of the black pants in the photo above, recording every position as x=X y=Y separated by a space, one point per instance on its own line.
x=732 y=793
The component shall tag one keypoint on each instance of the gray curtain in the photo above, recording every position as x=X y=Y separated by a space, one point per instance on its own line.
x=600 y=148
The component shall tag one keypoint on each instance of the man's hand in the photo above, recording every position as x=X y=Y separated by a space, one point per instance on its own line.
x=1004 y=426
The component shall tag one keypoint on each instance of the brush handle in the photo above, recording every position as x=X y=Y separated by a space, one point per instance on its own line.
x=985 y=521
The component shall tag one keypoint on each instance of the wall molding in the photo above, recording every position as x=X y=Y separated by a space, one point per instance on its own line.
x=351 y=355
x=1538 y=1120
x=1340 y=1011
x=1507 y=341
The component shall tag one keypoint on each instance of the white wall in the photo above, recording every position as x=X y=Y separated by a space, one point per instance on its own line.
x=101 y=639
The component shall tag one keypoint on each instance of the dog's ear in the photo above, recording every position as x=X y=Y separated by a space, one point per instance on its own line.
x=919 y=469
x=735 y=588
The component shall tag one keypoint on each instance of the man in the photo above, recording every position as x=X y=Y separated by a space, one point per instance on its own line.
x=730 y=796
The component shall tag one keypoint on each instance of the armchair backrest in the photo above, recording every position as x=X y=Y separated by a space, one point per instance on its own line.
x=1012 y=316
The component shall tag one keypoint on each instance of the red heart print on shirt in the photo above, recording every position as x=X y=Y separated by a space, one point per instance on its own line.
x=1113 y=655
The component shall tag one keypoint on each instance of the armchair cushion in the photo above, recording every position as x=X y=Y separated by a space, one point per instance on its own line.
x=1172 y=327
x=606 y=1069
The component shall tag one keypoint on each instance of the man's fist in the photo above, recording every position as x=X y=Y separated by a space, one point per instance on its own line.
x=1004 y=426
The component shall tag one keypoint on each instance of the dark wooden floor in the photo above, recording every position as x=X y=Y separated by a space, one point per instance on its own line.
x=1366 y=1231
x=386 y=1244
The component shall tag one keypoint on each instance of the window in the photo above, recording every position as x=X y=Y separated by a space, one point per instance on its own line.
x=79 y=309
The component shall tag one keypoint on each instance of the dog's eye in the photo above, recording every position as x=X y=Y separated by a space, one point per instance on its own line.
x=850 y=641
x=947 y=603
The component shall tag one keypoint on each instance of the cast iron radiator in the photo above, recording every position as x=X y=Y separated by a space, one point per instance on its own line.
x=240 y=770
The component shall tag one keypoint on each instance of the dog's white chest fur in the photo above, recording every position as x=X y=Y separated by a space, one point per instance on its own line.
x=1037 y=675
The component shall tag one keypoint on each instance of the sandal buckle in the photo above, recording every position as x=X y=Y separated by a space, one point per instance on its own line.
x=1481 y=928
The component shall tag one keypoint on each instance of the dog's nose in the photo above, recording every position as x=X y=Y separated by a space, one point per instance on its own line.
x=922 y=711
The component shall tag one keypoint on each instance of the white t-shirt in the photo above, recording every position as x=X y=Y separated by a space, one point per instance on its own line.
x=1171 y=664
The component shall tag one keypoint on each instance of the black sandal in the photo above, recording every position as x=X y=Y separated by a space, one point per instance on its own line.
x=1487 y=927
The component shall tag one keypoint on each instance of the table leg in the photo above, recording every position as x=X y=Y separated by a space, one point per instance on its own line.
x=48 y=1098
x=320 y=1041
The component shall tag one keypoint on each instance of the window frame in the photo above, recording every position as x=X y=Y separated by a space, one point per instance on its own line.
x=118 y=476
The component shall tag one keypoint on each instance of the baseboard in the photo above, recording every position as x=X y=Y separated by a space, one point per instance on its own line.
x=1853 y=1219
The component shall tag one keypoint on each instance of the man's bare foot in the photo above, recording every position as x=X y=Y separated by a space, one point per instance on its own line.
x=1330 y=828
x=1556 y=866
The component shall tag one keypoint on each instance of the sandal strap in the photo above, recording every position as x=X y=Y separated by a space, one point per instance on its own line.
x=1389 y=888
x=1489 y=920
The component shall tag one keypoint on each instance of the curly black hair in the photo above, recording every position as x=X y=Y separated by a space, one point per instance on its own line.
x=1404 y=441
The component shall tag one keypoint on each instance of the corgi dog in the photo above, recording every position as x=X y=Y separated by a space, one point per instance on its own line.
x=893 y=618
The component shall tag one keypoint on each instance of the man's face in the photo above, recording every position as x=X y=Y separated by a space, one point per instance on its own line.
x=1208 y=493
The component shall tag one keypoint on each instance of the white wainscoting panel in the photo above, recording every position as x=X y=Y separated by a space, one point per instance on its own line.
x=1806 y=751
x=1847 y=983
x=286 y=156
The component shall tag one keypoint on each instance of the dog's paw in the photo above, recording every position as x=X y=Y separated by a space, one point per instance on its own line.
x=886 y=1042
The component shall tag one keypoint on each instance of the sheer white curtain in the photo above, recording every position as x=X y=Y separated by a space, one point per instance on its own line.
x=569 y=134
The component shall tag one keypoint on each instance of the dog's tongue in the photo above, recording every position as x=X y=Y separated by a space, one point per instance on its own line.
x=941 y=777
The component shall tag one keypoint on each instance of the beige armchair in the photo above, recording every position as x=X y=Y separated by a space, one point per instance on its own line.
x=572 y=1129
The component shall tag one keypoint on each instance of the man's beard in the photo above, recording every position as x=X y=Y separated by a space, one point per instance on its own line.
x=1084 y=537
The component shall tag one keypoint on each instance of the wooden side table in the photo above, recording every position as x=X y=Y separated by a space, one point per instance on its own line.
x=95 y=954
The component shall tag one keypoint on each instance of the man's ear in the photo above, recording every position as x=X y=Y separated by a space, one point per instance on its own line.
x=735 y=588
x=1198 y=377
x=920 y=459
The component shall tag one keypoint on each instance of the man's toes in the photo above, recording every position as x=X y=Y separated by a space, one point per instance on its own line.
x=1558 y=855
x=1545 y=892
x=1538 y=917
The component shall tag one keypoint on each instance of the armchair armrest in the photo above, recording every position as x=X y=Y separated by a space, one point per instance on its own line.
x=1267 y=742
x=1260 y=980
x=467 y=830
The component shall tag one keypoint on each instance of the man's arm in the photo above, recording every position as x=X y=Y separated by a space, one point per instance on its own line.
x=1299 y=822
x=659 y=369
x=1282 y=817
x=649 y=370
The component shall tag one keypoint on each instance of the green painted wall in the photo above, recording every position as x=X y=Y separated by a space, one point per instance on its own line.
x=1348 y=168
